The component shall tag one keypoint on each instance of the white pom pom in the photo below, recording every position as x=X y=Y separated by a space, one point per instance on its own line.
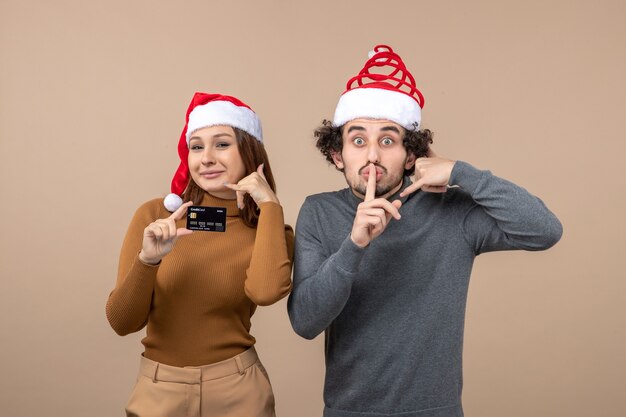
x=172 y=202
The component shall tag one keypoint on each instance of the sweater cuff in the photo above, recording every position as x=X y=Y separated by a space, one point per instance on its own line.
x=349 y=256
x=141 y=269
x=271 y=216
x=271 y=207
x=466 y=176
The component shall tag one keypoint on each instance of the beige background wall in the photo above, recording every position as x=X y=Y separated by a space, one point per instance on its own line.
x=92 y=101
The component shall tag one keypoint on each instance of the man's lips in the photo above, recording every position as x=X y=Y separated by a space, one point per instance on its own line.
x=365 y=172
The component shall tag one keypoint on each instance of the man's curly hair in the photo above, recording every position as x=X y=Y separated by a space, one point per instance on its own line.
x=330 y=140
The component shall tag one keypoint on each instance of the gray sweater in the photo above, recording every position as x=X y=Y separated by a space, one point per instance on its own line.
x=394 y=311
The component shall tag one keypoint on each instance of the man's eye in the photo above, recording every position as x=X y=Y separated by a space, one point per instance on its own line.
x=358 y=141
x=387 y=141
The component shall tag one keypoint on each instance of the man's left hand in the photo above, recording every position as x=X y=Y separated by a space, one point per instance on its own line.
x=432 y=174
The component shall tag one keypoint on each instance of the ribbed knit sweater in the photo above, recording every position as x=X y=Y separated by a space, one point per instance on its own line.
x=198 y=301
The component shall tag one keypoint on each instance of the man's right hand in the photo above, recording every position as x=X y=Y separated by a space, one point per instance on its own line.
x=373 y=214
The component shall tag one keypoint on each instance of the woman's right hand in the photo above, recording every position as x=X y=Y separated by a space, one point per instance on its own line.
x=159 y=237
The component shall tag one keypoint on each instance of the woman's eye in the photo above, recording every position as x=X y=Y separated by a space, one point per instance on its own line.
x=222 y=145
x=358 y=141
x=195 y=147
x=387 y=141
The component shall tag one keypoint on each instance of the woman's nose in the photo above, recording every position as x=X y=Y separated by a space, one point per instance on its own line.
x=207 y=157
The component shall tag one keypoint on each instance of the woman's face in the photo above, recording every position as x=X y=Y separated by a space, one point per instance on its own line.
x=214 y=160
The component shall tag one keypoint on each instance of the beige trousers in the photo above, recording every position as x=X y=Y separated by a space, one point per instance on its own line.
x=238 y=386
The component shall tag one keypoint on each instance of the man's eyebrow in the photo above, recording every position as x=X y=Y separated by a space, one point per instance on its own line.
x=390 y=128
x=355 y=128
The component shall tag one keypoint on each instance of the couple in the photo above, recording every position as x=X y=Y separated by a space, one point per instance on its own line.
x=382 y=266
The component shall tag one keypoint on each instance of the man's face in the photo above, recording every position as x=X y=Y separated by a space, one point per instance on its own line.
x=374 y=141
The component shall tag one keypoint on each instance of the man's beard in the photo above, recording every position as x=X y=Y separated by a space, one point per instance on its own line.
x=381 y=189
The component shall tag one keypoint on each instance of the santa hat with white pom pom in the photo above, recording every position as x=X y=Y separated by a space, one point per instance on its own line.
x=383 y=89
x=209 y=110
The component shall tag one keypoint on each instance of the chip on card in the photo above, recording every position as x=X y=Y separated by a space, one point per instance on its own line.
x=209 y=219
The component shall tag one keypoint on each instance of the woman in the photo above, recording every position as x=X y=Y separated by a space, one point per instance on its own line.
x=196 y=290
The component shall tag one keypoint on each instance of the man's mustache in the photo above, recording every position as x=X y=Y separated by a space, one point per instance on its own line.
x=366 y=167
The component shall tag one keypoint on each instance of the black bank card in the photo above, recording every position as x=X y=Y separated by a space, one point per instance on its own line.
x=209 y=219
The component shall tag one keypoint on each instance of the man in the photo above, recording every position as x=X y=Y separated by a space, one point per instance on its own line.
x=383 y=266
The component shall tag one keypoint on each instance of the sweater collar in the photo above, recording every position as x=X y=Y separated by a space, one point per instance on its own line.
x=231 y=205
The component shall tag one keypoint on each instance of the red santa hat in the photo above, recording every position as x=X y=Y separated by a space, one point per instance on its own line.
x=384 y=89
x=209 y=110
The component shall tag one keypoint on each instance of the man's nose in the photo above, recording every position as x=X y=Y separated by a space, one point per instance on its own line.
x=373 y=153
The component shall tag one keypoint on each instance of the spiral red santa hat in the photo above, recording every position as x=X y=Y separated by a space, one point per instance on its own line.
x=383 y=89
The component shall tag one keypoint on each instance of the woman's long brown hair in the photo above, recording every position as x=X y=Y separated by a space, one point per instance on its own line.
x=252 y=154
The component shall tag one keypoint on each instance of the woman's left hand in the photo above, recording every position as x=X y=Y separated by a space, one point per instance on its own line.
x=256 y=185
